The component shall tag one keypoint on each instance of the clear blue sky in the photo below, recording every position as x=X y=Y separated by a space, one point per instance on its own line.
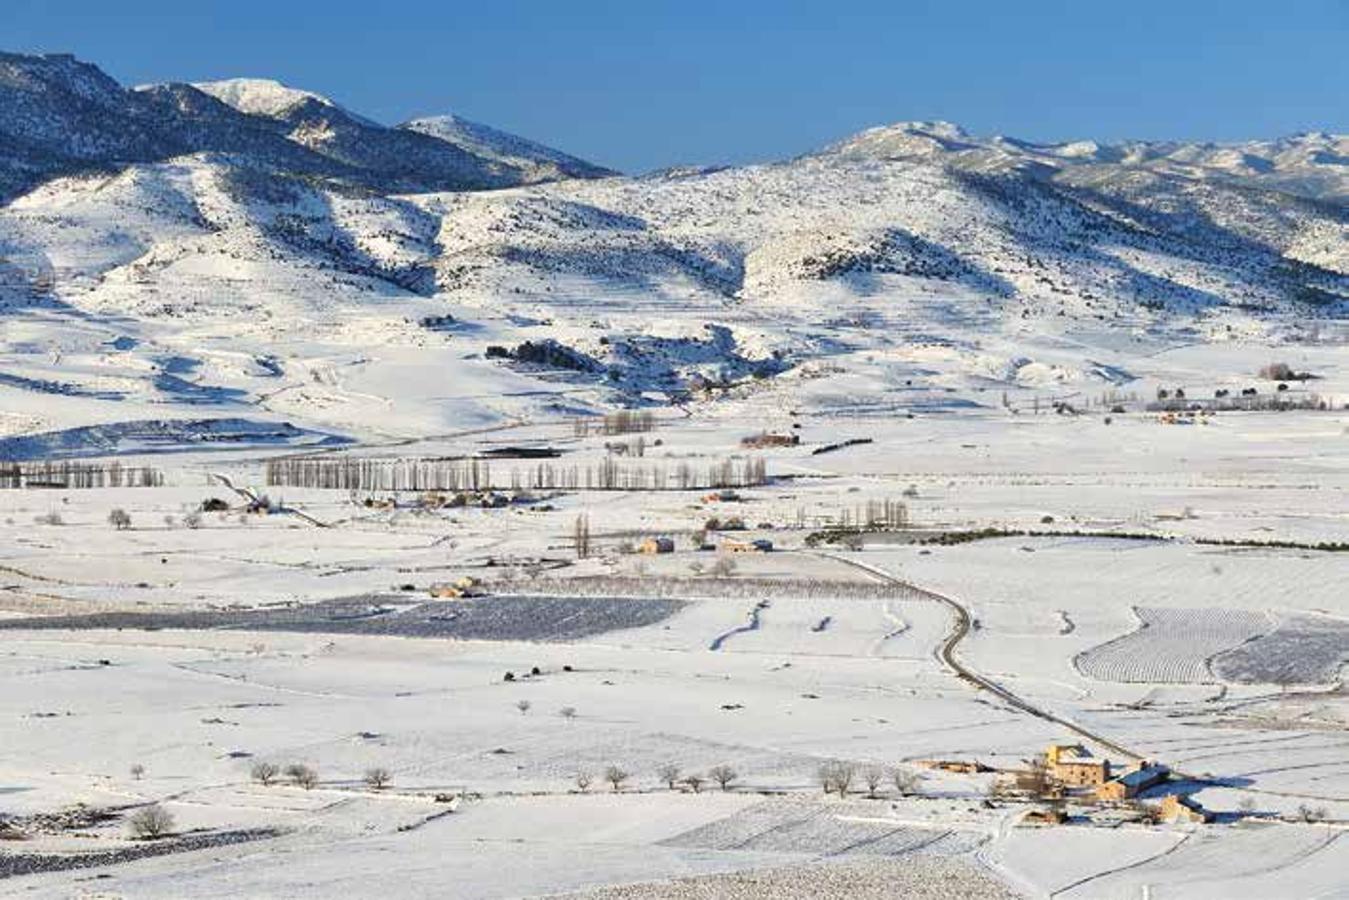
x=649 y=83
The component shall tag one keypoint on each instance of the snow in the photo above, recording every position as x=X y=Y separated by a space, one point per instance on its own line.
x=258 y=96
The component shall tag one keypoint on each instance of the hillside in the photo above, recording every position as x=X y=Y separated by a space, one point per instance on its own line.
x=243 y=243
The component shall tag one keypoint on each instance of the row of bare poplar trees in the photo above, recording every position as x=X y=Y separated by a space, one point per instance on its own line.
x=476 y=475
x=66 y=475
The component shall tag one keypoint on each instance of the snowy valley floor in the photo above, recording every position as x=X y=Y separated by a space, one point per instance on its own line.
x=161 y=662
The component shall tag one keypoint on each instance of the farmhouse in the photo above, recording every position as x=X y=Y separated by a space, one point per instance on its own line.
x=654 y=545
x=1073 y=765
x=1134 y=782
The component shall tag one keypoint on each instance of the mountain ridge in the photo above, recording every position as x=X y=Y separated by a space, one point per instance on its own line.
x=63 y=116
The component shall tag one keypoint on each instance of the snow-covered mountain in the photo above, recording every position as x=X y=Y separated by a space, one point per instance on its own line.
x=62 y=116
x=267 y=233
x=1313 y=165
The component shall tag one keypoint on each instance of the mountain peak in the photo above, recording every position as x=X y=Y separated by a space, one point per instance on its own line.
x=260 y=96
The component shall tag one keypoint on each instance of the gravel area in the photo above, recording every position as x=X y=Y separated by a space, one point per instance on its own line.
x=496 y=618
x=913 y=878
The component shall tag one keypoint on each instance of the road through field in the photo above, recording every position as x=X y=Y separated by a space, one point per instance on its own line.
x=946 y=653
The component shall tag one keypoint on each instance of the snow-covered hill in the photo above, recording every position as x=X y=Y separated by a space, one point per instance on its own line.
x=63 y=116
x=247 y=243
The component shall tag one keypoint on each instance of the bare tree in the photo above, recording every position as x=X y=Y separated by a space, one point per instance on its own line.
x=378 y=778
x=137 y=771
x=695 y=782
x=904 y=780
x=837 y=777
x=264 y=773
x=669 y=773
x=581 y=535
x=616 y=776
x=301 y=775
x=723 y=566
x=523 y=706
x=723 y=775
x=873 y=776
x=150 y=822
x=583 y=781
x=567 y=712
x=1307 y=813
x=119 y=519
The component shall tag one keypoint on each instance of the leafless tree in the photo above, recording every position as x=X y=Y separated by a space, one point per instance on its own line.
x=567 y=712
x=616 y=776
x=265 y=773
x=1307 y=813
x=378 y=778
x=581 y=535
x=119 y=519
x=523 y=706
x=137 y=771
x=873 y=777
x=583 y=781
x=723 y=775
x=695 y=782
x=150 y=822
x=669 y=773
x=905 y=780
x=837 y=777
x=301 y=775
x=724 y=566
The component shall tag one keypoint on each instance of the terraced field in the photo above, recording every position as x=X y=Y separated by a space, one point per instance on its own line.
x=1302 y=650
x=1172 y=646
x=820 y=829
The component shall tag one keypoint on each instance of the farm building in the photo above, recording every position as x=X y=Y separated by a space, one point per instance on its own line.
x=654 y=545
x=1133 y=782
x=759 y=545
x=1178 y=808
x=1073 y=765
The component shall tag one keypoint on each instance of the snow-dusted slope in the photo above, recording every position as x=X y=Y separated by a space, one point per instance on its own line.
x=1313 y=165
x=540 y=163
